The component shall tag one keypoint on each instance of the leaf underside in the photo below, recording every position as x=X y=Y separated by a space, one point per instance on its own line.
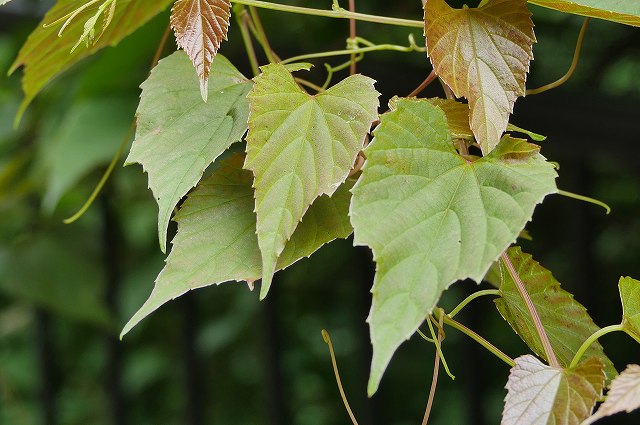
x=179 y=136
x=624 y=395
x=483 y=54
x=200 y=27
x=300 y=147
x=630 y=297
x=565 y=320
x=431 y=217
x=216 y=240
x=622 y=11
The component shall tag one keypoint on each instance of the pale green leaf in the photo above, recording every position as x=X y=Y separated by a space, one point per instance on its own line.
x=300 y=147
x=216 y=240
x=630 y=296
x=565 y=320
x=483 y=54
x=2 y=2
x=624 y=395
x=45 y=55
x=622 y=11
x=538 y=394
x=433 y=217
x=178 y=135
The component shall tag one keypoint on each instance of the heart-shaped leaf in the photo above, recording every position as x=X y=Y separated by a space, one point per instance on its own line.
x=483 y=54
x=300 y=147
x=630 y=296
x=178 y=135
x=216 y=240
x=623 y=11
x=539 y=394
x=433 y=217
x=200 y=26
x=624 y=395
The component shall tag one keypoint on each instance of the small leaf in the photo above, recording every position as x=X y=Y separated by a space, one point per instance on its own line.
x=457 y=117
x=178 y=135
x=624 y=395
x=216 y=240
x=432 y=217
x=539 y=394
x=565 y=320
x=200 y=27
x=534 y=136
x=623 y=11
x=300 y=147
x=483 y=54
x=630 y=296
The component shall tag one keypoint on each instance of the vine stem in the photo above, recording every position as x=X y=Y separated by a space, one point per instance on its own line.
x=423 y=85
x=593 y=338
x=327 y=340
x=339 y=13
x=587 y=199
x=377 y=47
x=352 y=35
x=241 y=18
x=544 y=338
x=434 y=379
x=472 y=297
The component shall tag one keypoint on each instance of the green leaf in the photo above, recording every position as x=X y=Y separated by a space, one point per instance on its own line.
x=630 y=296
x=433 y=217
x=45 y=55
x=3 y=2
x=483 y=54
x=300 y=147
x=457 y=117
x=216 y=240
x=565 y=320
x=624 y=395
x=539 y=394
x=178 y=135
x=622 y=11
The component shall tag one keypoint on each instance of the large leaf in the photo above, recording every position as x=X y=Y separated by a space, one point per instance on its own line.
x=300 y=147
x=565 y=320
x=433 y=217
x=483 y=54
x=216 y=240
x=624 y=395
x=178 y=135
x=542 y=395
x=630 y=296
x=45 y=55
x=200 y=27
x=623 y=11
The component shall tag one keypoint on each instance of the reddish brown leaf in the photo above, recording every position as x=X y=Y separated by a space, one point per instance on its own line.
x=200 y=26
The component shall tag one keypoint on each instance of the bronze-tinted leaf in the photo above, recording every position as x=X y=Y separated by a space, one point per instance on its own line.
x=200 y=27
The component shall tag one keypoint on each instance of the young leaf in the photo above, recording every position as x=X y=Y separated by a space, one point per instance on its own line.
x=565 y=320
x=623 y=11
x=45 y=55
x=624 y=395
x=200 y=26
x=457 y=117
x=483 y=54
x=432 y=217
x=178 y=135
x=540 y=394
x=300 y=147
x=216 y=240
x=630 y=296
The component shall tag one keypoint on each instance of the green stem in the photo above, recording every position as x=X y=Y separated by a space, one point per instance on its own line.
x=327 y=340
x=572 y=195
x=436 y=341
x=472 y=297
x=339 y=13
x=593 y=338
x=261 y=36
x=241 y=15
x=347 y=52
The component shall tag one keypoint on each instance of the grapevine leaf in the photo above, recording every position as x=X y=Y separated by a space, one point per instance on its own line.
x=457 y=117
x=45 y=55
x=300 y=147
x=624 y=395
x=200 y=27
x=178 y=135
x=565 y=320
x=540 y=394
x=483 y=54
x=433 y=217
x=630 y=296
x=622 y=11
x=216 y=240
x=3 y=2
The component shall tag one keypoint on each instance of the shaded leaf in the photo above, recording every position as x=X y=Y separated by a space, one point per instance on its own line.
x=630 y=296
x=540 y=394
x=483 y=54
x=45 y=55
x=178 y=135
x=4 y=2
x=300 y=147
x=622 y=11
x=432 y=217
x=200 y=26
x=457 y=117
x=624 y=395
x=565 y=320
x=216 y=240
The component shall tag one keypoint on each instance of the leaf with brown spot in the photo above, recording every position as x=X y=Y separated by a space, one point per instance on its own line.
x=200 y=26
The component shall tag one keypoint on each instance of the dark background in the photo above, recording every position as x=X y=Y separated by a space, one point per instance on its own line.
x=218 y=356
